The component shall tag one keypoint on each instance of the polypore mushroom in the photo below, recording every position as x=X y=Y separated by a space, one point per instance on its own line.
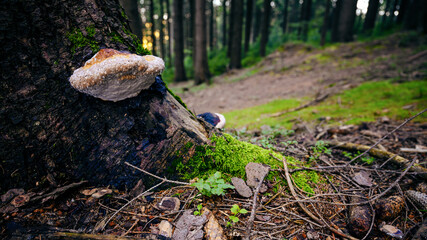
x=215 y=119
x=112 y=75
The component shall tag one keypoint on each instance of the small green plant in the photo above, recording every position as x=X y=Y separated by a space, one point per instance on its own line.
x=199 y=210
x=214 y=185
x=235 y=210
x=319 y=149
x=366 y=159
x=288 y=143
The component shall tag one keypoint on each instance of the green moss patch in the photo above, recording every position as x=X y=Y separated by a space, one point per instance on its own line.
x=78 y=39
x=364 y=103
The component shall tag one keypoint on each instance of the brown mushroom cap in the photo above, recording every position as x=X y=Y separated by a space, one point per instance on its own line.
x=113 y=75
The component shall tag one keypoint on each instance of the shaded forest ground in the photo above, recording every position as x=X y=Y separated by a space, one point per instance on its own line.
x=302 y=72
x=296 y=71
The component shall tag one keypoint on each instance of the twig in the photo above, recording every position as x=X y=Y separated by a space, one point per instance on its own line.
x=133 y=199
x=155 y=176
x=254 y=203
x=291 y=188
x=385 y=136
x=317 y=100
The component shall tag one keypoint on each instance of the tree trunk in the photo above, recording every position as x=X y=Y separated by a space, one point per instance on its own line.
x=248 y=24
x=285 y=16
x=402 y=11
x=201 y=70
x=153 y=28
x=178 y=47
x=132 y=12
x=413 y=16
x=231 y=27
x=162 y=33
x=258 y=18
x=211 y=26
x=305 y=19
x=236 y=43
x=169 y=33
x=369 y=23
x=335 y=20
x=265 y=27
x=224 y=24
x=325 y=23
x=191 y=34
x=347 y=17
x=51 y=131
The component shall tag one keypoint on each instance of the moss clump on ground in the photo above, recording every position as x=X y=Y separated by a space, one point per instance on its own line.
x=78 y=40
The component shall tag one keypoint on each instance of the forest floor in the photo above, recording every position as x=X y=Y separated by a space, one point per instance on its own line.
x=327 y=196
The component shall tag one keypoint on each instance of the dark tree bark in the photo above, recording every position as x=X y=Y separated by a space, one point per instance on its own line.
x=248 y=23
x=153 y=28
x=224 y=23
x=347 y=17
x=402 y=11
x=265 y=27
x=369 y=23
x=191 y=23
x=132 y=12
x=201 y=69
x=294 y=14
x=386 y=11
x=211 y=26
x=168 y=12
x=236 y=42
x=335 y=20
x=231 y=27
x=305 y=19
x=162 y=33
x=325 y=22
x=393 y=10
x=257 y=20
x=178 y=47
x=51 y=131
x=285 y=16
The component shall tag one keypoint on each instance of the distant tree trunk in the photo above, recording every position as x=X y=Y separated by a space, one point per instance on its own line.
x=369 y=23
x=236 y=43
x=386 y=11
x=248 y=24
x=162 y=33
x=402 y=11
x=325 y=22
x=258 y=19
x=51 y=131
x=335 y=20
x=231 y=27
x=224 y=23
x=305 y=19
x=346 y=20
x=211 y=26
x=132 y=12
x=265 y=27
x=413 y=15
x=153 y=28
x=178 y=47
x=168 y=12
x=201 y=69
x=190 y=37
x=393 y=10
x=294 y=15
x=285 y=16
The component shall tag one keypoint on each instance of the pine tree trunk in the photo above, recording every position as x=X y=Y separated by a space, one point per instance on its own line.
x=402 y=11
x=132 y=12
x=248 y=24
x=265 y=27
x=347 y=18
x=258 y=18
x=201 y=70
x=413 y=16
x=224 y=24
x=236 y=42
x=178 y=46
x=335 y=20
x=325 y=23
x=211 y=26
x=162 y=34
x=153 y=28
x=369 y=23
x=169 y=33
x=231 y=27
x=51 y=131
x=285 y=16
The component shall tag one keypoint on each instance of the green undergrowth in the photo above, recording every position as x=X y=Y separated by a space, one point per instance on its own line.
x=365 y=103
x=229 y=156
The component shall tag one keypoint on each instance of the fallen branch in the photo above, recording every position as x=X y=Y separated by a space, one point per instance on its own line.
x=291 y=188
x=315 y=101
x=155 y=176
x=381 y=154
x=254 y=203
x=57 y=192
x=418 y=55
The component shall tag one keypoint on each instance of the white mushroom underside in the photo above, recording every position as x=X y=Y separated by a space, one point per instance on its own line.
x=117 y=77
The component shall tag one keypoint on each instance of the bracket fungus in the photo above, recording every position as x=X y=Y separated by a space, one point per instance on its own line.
x=113 y=75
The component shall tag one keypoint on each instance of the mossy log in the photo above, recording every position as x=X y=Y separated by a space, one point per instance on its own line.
x=49 y=132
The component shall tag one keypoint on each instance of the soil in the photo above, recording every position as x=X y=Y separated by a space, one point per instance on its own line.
x=298 y=71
